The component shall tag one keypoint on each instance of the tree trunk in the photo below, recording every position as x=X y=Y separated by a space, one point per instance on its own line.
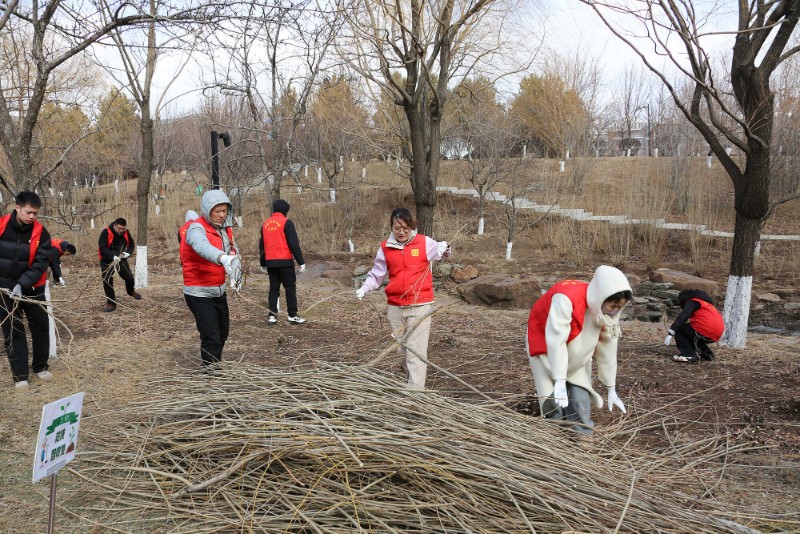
x=143 y=195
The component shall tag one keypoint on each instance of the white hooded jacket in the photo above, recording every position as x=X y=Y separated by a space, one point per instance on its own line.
x=598 y=338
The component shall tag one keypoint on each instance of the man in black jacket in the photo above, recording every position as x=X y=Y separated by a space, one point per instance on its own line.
x=24 y=256
x=114 y=248
x=280 y=248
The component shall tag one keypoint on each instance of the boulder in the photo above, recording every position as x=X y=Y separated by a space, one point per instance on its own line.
x=500 y=291
x=768 y=297
x=633 y=280
x=794 y=326
x=683 y=280
x=464 y=274
x=333 y=270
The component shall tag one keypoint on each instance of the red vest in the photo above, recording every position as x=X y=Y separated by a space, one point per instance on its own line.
x=57 y=244
x=198 y=271
x=36 y=235
x=275 y=245
x=110 y=235
x=707 y=321
x=575 y=290
x=410 y=279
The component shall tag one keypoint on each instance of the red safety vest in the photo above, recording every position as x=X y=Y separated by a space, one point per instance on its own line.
x=110 y=233
x=707 y=321
x=198 y=271
x=275 y=245
x=410 y=279
x=575 y=290
x=57 y=244
x=36 y=236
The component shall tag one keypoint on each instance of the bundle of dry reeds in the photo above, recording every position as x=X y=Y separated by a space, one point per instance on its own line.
x=336 y=449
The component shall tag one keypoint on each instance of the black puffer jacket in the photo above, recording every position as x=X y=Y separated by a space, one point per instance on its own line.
x=689 y=306
x=15 y=253
x=118 y=244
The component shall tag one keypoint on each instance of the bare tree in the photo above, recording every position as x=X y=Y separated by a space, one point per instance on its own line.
x=50 y=34
x=761 y=42
x=431 y=45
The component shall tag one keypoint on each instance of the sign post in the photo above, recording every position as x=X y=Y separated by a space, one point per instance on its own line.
x=57 y=443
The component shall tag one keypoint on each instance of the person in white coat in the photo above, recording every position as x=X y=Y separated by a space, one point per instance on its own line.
x=572 y=322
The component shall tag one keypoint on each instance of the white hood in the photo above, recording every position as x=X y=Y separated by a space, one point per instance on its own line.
x=607 y=280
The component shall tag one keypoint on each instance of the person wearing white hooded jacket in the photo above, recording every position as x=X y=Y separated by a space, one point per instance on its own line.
x=567 y=326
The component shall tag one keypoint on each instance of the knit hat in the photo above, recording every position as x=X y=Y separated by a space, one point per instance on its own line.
x=280 y=205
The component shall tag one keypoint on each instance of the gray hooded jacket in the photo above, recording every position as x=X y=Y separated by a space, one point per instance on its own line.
x=196 y=238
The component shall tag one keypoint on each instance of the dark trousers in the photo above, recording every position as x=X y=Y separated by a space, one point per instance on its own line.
x=578 y=411
x=108 y=279
x=287 y=277
x=16 y=343
x=689 y=342
x=213 y=323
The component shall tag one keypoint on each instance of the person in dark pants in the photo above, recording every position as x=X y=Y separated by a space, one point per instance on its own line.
x=698 y=324
x=208 y=251
x=24 y=256
x=279 y=248
x=60 y=248
x=114 y=248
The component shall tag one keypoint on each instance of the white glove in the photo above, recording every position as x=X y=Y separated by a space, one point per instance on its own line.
x=560 y=393
x=303 y=268
x=444 y=250
x=124 y=255
x=116 y=259
x=61 y=281
x=226 y=260
x=264 y=269
x=668 y=339
x=614 y=400
x=236 y=273
x=360 y=293
x=16 y=293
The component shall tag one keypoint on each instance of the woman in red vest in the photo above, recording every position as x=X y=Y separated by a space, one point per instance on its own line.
x=208 y=252
x=572 y=322
x=406 y=258
x=698 y=324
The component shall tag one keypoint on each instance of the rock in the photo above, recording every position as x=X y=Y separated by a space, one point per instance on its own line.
x=640 y=300
x=500 y=291
x=791 y=306
x=768 y=297
x=793 y=326
x=444 y=268
x=633 y=280
x=329 y=269
x=662 y=286
x=361 y=269
x=758 y=307
x=667 y=294
x=649 y=317
x=683 y=280
x=654 y=306
x=464 y=274
x=761 y=329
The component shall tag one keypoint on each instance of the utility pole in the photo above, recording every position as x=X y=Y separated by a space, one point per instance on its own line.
x=226 y=140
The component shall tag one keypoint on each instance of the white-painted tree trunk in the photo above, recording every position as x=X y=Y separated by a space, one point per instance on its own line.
x=737 y=311
x=140 y=276
x=560 y=166
x=333 y=196
x=299 y=190
x=51 y=323
x=524 y=151
x=708 y=162
x=116 y=185
x=480 y=226
x=363 y=172
x=158 y=209
x=239 y=221
x=567 y=155
x=91 y=223
x=757 y=249
x=509 y=246
x=319 y=175
x=305 y=171
x=351 y=245
x=655 y=152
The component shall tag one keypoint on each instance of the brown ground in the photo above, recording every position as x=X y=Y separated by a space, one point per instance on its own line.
x=745 y=406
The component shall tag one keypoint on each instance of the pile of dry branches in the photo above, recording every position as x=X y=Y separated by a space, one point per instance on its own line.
x=249 y=448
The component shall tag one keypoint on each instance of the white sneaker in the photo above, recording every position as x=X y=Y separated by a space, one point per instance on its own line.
x=272 y=320
x=296 y=320
x=45 y=375
x=22 y=384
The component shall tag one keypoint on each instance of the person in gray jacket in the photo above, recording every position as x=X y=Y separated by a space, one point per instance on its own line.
x=207 y=253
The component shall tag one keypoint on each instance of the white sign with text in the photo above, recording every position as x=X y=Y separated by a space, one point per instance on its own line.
x=58 y=435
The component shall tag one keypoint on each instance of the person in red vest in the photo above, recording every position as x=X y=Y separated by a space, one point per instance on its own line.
x=406 y=258
x=60 y=248
x=24 y=255
x=279 y=247
x=207 y=252
x=114 y=247
x=698 y=324
x=568 y=325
